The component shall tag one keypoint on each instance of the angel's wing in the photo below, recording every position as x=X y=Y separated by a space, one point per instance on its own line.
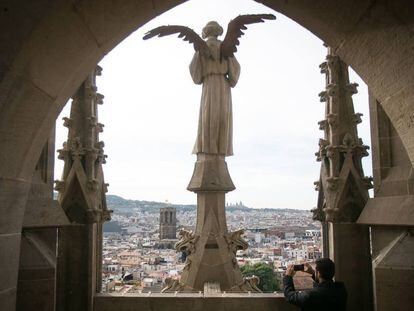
x=234 y=31
x=187 y=34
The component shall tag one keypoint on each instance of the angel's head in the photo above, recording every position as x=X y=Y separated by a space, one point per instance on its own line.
x=212 y=29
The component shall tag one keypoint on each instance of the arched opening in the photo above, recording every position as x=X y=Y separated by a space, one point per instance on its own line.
x=276 y=106
x=265 y=93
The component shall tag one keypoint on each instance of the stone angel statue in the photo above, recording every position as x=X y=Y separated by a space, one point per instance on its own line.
x=214 y=66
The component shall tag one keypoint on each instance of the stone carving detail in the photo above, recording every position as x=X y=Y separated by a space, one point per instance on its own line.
x=322 y=124
x=172 y=285
x=236 y=241
x=76 y=149
x=342 y=187
x=352 y=88
x=67 y=122
x=323 y=96
x=59 y=185
x=84 y=155
x=323 y=144
x=187 y=242
x=318 y=213
x=250 y=284
x=332 y=119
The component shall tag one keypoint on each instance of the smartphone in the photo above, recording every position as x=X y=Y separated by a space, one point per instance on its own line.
x=299 y=267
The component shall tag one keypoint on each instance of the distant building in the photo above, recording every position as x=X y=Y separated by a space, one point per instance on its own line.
x=168 y=223
x=313 y=233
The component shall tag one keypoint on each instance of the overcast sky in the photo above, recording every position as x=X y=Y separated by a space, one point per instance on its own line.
x=151 y=110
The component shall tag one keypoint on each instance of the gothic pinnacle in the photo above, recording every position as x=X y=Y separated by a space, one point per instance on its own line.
x=83 y=153
x=341 y=150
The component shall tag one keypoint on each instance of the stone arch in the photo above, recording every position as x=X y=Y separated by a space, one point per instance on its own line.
x=68 y=39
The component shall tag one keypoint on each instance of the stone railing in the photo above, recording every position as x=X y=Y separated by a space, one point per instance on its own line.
x=192 y=302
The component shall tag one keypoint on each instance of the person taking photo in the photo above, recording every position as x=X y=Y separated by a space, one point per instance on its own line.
x=326 y=294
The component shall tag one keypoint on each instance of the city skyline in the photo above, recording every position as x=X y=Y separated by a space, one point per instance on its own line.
x=139 y=257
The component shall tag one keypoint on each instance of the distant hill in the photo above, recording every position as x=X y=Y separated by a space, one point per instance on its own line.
x=121 y=205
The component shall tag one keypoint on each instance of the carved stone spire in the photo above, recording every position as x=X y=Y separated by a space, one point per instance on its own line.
x=343 y=187
x=82 y=196
x=83 y=155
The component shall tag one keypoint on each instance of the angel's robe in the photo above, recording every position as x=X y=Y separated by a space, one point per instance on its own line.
x=215 y=125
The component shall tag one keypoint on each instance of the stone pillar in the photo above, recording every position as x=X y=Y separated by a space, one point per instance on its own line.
x=82 y=196
x=390 y=215
x=343 y=187
x=211 y=249
x=13 y=197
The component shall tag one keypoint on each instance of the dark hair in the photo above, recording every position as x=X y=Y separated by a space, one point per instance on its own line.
x=326 y=268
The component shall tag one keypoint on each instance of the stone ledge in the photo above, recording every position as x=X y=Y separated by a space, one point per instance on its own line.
x=192 y=302
x=193 y=295
x=44 y=213
x=388 y=211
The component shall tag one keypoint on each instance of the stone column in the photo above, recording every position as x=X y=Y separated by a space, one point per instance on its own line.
x=211 y=249
x=343 y=187
x=13 y=197
x=82 y=196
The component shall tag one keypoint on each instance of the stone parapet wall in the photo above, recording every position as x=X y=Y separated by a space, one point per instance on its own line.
x=191 y=302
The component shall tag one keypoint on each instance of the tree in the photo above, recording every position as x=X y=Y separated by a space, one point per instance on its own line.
x=265 y=272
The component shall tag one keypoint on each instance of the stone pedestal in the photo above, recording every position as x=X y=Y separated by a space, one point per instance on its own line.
x=212 y=259
x=210 y=174
x=211 y=249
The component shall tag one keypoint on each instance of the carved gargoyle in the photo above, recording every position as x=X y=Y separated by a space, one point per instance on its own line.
x=187 y=242
x=171 y=285
x=318 y=214
x=235 y=241
x=250 y=284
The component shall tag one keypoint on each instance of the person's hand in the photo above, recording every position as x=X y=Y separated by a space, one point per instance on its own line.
x=308 y=268
x=290 y=271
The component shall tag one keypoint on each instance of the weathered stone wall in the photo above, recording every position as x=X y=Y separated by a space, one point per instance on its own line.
x=390 y=214
x=37 y=264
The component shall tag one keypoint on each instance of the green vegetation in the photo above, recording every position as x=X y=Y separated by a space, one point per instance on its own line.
x=268 y=282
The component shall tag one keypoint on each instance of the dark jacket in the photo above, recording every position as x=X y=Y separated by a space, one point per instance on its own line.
x=323 y=296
